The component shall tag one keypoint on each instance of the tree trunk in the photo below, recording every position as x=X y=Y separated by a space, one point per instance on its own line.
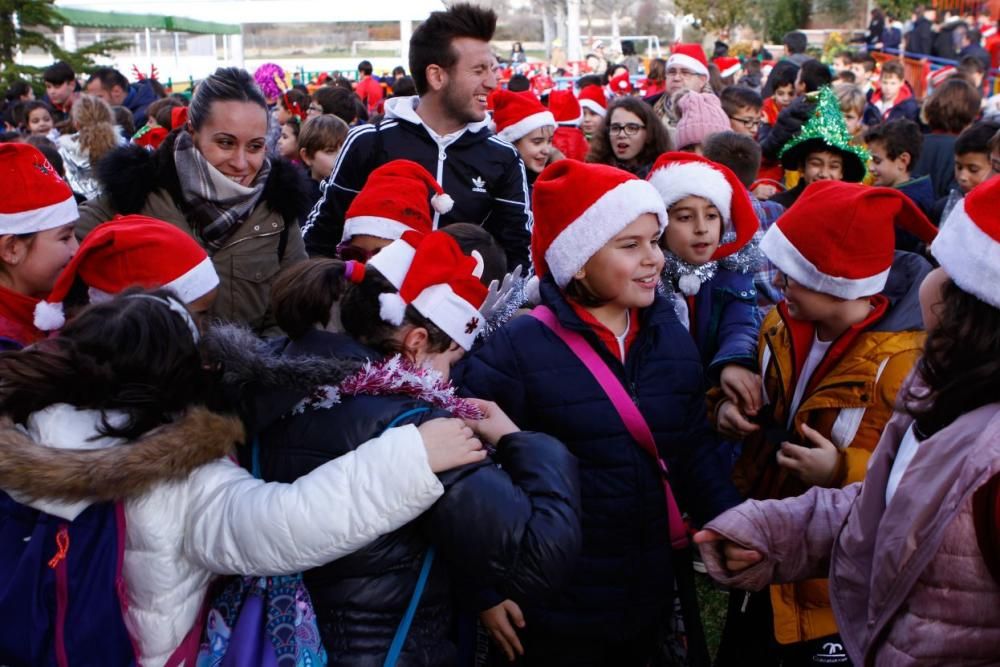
x=573 y=30
x=547 y=31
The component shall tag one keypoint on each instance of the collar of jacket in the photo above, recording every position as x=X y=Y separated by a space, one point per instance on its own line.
x=405 y=109
x=131 y=173
x=43 y=470
x=801 y=334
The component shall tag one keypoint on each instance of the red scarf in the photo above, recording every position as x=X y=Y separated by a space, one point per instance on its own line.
x=605 y=334
x=17 y=317
x=802 y=334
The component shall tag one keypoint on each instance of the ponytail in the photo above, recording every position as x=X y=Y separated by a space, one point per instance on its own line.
x=95 y=123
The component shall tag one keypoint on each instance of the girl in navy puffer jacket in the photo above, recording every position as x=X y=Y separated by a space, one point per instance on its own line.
x=595 y=247
x=411 y=311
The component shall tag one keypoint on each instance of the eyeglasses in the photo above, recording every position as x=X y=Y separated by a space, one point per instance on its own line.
x=677 y=71
x=749 y=123
x=630 y=129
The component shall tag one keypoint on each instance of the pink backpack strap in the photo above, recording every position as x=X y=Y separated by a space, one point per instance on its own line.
x=627 y=410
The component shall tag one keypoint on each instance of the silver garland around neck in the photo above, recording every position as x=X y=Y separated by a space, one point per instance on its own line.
x=747 y=259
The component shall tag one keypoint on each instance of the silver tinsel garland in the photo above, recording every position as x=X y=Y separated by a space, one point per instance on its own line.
x=679 y=275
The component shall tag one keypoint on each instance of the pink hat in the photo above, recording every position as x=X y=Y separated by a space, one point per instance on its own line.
x=701 y=116
x=592 y=97
x=565 y=107
x=517 y=114
x=690 y=57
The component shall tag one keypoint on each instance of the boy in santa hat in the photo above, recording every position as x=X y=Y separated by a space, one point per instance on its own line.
x=398 y=196
x=833 y=356
x=568 y=139
x=709 y=268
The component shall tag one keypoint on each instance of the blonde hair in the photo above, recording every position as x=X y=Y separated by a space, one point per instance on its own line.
x=850 y=97
x=95 y=124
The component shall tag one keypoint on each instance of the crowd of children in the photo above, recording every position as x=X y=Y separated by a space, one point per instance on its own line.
x=547 y=336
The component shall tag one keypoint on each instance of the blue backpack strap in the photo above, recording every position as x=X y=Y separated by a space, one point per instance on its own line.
x=425 y=569
x=411 y=610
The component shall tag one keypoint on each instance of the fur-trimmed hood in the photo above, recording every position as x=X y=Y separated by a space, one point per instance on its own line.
x=130 y=174
x=265 y=379
x=34 y=470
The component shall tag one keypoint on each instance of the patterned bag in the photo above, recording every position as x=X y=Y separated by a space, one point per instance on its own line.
x=262 y=622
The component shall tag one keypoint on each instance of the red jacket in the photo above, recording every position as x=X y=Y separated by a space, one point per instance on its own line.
x=370 y=91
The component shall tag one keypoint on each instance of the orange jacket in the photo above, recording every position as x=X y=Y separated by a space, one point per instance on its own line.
x=849 y=405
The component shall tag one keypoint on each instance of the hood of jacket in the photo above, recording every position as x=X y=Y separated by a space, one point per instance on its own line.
x=902 y=288
x=62 y=471
x=131 y=173
x=405 y=109
x=266 y=379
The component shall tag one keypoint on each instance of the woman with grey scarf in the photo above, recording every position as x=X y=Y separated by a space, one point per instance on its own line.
x=213 y=179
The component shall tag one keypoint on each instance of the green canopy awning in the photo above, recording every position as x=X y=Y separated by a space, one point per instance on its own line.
x=85 y=18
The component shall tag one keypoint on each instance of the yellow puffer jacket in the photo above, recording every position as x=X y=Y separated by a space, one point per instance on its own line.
x=850 y=406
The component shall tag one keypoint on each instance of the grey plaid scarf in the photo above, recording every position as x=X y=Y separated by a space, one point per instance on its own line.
x=215 y=207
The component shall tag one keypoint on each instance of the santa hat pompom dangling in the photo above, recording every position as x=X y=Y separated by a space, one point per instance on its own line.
x=391 y=308
x=442 y=203
x=49 y=316
x=689 y=284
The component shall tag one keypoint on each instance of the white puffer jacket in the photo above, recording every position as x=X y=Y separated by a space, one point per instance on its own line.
x=218 y=519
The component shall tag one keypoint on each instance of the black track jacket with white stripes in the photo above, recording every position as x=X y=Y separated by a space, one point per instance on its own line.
x=483 y=174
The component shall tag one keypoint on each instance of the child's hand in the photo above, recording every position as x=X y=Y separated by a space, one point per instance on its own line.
x=450 y=444
x=765 y=191
x=495 y=423
x=737 y=558
x=743 y=387
x=814 y=465
x=732 y=423
x=499 y=622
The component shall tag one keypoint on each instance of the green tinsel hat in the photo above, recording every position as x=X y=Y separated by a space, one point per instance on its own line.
x=826 y=129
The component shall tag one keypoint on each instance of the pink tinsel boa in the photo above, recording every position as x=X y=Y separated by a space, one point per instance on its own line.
x=394 y=376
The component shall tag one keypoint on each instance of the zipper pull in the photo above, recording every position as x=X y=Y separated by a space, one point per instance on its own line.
x=62 y=544
x=746 y=601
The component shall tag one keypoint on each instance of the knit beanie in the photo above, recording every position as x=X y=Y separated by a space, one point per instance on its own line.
x=701 y=116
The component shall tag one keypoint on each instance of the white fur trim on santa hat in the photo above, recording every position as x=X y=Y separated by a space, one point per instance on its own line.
x=684 y=179
x=573 y=122
x=527 y=125
x=970 y=256
x=393 y=262
x=451 y=313
x=196 y=283
x=40 y=219
x=687 y=62
x=594 y=107
x=796 y=266
x=373 y=225
x=731 y=70
x=600 y=223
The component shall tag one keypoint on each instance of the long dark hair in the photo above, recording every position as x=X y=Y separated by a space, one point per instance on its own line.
x=132 y=355
x=961 y=362
x=657 y=139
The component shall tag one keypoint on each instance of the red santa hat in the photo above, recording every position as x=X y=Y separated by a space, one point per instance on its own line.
x=565 y=107
x=578 y=207
x=679 y=175
x=968 y=245
x=690 y=57
x=32 y=196
x=438 y=280
x=728 y=66
x=517 y=115
x=394 y=200
x=592 y=97
x=131 y=250
x=621 y=84
x=839 y=238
